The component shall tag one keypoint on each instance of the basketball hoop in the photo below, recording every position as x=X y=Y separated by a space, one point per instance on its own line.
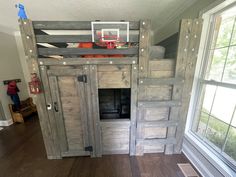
x=110 y=42
x=110 y=34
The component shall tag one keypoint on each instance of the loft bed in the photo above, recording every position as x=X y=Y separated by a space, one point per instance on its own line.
x=84 y=103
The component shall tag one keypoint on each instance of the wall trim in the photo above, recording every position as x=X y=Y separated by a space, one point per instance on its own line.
x=5 y=123
x=198 y=164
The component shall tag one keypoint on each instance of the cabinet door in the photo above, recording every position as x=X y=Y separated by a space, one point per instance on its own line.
x=69 y=103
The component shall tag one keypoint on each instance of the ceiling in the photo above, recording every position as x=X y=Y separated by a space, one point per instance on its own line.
x=160 y=12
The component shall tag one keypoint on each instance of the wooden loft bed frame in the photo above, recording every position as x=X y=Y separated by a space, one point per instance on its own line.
x=158 y=105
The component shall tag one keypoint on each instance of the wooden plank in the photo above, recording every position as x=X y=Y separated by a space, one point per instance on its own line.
x=83 y=112
x=73 y=38
x=87 y=61
x=163 y=123
x=157 y=141
x=88 y=92
x=84 y=51
x=156 y=114
x=63 y=72
x=75 y=153
x=115 y=136
x=160 y=81
x=113 y=68
x=113 y=78
x=30 y=48
x=121 y=123
x=151 y=104
x=162 y=65
x=72 y=25
x=58 y=115
x=190 y=66
x=185 y=30
x=154 y=132
x=95 y=109
x=144 y=43
x=133 y=104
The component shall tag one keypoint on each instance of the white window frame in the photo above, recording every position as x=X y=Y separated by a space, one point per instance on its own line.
x=205 y=149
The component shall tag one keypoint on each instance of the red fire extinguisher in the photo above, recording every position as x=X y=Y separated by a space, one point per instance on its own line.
x=35 y=84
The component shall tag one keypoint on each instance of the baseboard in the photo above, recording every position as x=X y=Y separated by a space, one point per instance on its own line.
x=5 y=123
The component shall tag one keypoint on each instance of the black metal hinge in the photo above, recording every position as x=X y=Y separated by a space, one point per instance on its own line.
x=82 y=78
x=89 y=148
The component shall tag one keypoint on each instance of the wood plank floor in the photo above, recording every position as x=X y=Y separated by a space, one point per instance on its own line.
x=22 y=154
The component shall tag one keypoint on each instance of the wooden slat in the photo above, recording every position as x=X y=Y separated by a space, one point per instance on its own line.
x=63 y=72
x=114 y=76
x=72 y=25
x=73 y=38
x=95 y=109
x=74 y=153
x=60 y=122
x=163 y=123
x=157 y=141
x=88 y=61
x=160 y=81
x=83 y=51
x=144 y=43
x=188 y=74
x=133 y=118
x=151 y=104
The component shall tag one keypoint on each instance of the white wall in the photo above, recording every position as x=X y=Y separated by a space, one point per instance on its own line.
x=10 y=68
x=173 y=27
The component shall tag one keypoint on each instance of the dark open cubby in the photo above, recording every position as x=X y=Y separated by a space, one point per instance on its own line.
x=114 y=103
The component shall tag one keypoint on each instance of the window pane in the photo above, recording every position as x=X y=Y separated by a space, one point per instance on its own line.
x=233 y=40
x=217 y=64
x=216 y=131
x=208 y=98
x=230 y=68
x=230 y=146
x=225 y=31
x=202 y=123
x=224 y=103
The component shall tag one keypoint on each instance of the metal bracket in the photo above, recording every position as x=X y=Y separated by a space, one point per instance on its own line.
x=89 y=148
x=82 y=78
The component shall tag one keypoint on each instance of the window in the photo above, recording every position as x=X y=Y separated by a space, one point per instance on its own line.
x=215 y=113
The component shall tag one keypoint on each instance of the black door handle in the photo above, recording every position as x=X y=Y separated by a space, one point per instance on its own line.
x=55 y=105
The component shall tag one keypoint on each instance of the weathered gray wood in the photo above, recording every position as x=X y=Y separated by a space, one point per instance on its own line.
x=163 y=123
x=58 y=115
x=87 y=61
x=95 y=109
x=64 y=72
x=115 y=136
x=83 y=113
x=156 y=114
x=30 y=48
x=157 y=141
x=185 y=30
x=188 y=75
x=75 y=153
x=114 y=76
x=73 y=38
x=144 y=43
x=89 y=106
x=51 y=116
x=133 y=107
x=160 y=81
x=151 y=104
x=84 y=51
x=73 y=25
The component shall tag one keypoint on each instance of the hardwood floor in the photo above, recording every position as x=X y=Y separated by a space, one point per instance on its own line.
x=22 y=154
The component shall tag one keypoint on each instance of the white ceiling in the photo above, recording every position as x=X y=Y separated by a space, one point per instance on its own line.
x=160 y=12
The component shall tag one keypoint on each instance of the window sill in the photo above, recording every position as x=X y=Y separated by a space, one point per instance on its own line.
x=214 y=160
